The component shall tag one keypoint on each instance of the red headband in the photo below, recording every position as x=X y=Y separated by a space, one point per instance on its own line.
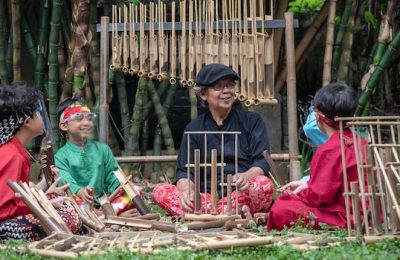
x=325 y=119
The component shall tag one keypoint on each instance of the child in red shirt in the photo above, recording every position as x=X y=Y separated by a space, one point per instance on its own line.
x=21 y=122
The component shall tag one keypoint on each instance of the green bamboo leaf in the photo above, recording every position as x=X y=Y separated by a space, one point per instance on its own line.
x=370 y=18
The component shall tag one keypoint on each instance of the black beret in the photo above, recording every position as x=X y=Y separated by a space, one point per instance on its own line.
x=211 y=73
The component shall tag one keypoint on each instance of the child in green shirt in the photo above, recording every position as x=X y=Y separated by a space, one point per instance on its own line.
x=86 y=164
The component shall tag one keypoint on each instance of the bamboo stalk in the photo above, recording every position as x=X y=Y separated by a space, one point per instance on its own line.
x=16 y=31
x=345 y=57
x=104 y=65
x=162 y=119
x=330 y=34
x=304 y=44
x=29 y=40
x=83 y=38
x=3 y=39
x=340 y=34
x=197 y=197
x=292 y=100
x=53 y=62
x=214 y=194
x=42 y=44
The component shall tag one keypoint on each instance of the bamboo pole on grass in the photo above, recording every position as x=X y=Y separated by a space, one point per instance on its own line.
x=295 y=173
x=330 y=34
x=16 y=31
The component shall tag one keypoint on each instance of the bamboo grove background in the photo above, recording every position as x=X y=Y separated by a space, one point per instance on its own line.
x=54 y=44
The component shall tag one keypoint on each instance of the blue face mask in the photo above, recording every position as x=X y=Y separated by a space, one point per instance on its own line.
x=312 y=131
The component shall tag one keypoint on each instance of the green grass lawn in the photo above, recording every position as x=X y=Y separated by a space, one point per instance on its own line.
x=386 y=249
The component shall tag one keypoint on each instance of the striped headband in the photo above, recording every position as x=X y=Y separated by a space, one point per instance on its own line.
x=73 y=110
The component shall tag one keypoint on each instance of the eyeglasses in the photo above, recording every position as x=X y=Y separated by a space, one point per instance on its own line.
x=79 y=117
x=221 y=86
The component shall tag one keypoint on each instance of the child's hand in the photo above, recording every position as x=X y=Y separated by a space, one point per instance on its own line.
x=130 y=213
x=86 y=195
x=293 y=187
x=57 y=190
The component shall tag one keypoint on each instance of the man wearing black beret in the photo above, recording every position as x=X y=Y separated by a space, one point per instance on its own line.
x=215 y=85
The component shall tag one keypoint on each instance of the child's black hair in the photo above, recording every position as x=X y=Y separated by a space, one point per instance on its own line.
x=18 y=98
x=336 y=99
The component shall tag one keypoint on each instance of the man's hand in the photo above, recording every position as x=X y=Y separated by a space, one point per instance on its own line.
x=294 y=187
x=129 y=213
x=57 y=190
x=242 y=181
x=86 y=195
x=187 y=199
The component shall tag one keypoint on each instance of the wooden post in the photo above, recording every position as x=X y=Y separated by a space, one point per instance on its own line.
x=356 y=207
x=197 y=197
x=104 y=56
x=228 y=195
x=295 y=173
x=214 y=194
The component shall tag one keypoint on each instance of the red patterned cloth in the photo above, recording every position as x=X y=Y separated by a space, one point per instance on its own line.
x=258 y=197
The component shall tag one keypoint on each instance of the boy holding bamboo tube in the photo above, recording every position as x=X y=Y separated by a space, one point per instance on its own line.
x=22 y=118
x=87 y=165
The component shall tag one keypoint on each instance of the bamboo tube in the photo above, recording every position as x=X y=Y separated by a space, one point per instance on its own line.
x=53 y=253
x=106 y=206
x=164 y=226
x=374 y=202
x=292 y=100
x=103 y=107
x=209 y=217
x=48 y=223
x=239 y=242
x=214 y=194
x=125 y=42
x=326 y=75
x=131 y=192
x=356 y=207
x=173 y=57
x=229 y=194
x=143 y=43
x=182 y=48
x=153 y=43
x=133 y=41
x=191 y=46
x=162 y=42
x=197 y=197
x=149 y=216
x=137 y=223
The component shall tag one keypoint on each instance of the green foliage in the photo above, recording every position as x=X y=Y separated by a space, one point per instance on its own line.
x=305 y=6
x=370 y=18
x=386 y=249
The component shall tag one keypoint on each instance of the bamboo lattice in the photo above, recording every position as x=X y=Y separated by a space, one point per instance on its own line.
x=375 y=205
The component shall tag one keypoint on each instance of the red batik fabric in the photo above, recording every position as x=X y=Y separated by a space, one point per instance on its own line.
x=258 y=197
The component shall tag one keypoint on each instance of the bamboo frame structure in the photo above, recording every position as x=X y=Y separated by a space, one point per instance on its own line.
x=213 y=164
x=374 y=206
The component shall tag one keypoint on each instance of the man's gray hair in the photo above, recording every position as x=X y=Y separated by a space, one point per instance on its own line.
x=197 y=89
